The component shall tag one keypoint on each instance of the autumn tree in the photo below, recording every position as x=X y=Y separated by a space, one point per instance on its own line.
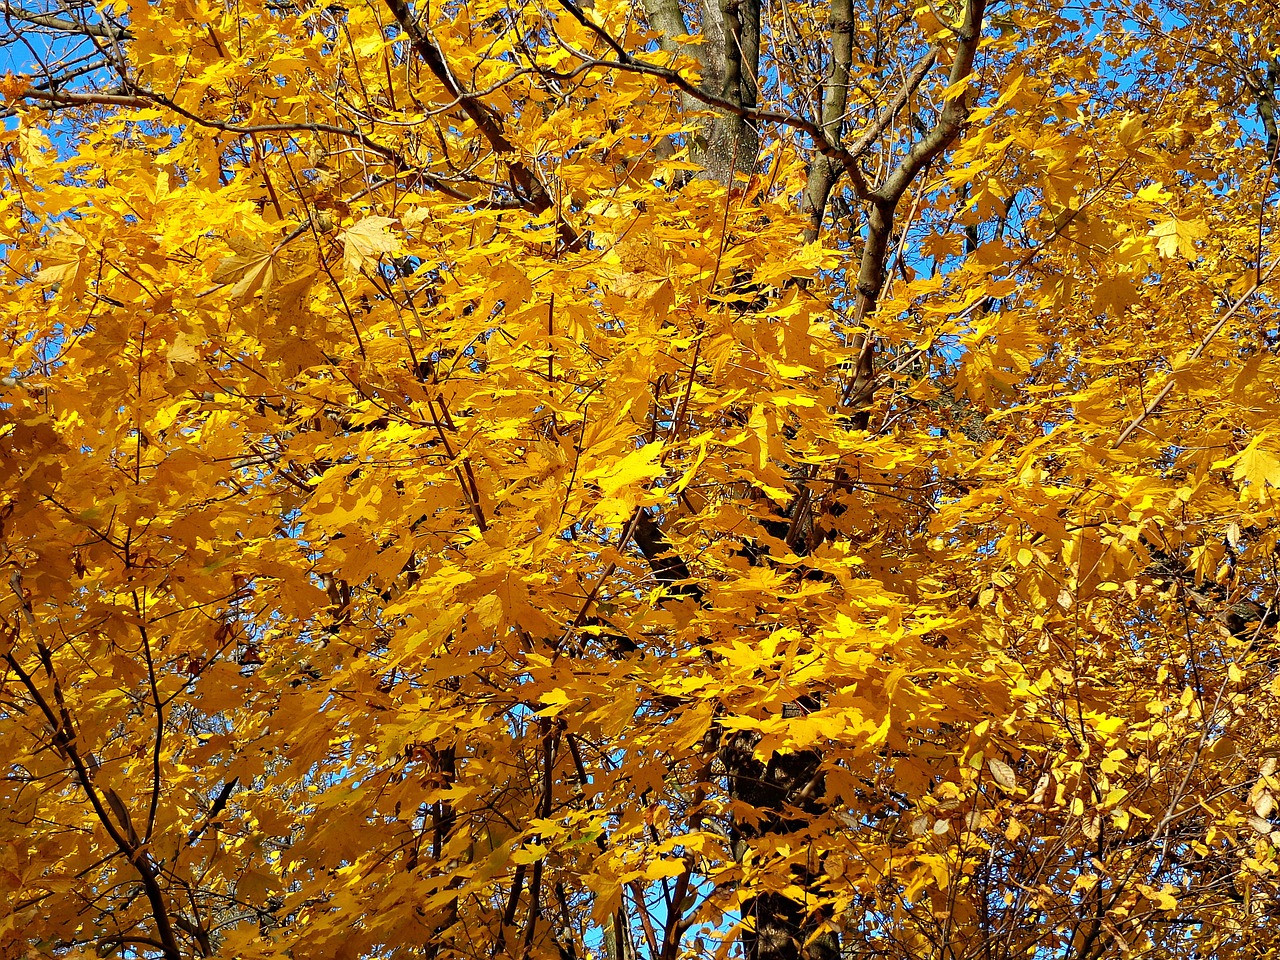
x=655 y=480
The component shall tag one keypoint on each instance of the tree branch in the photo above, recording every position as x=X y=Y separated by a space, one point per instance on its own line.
x=953 y=113
x=54 y=22
x=1160 y=397
x=537 y=198
x=219 y=803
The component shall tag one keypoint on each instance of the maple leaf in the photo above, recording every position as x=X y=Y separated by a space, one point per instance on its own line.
x=1258 y=467
x=183 y=349
x=63 y=263
x=367 y=242
x=1178 y=237
x=249 y=272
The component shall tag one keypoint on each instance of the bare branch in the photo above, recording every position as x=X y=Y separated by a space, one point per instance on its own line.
x=52 y=22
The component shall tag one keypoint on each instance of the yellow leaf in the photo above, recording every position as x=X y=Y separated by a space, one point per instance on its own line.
x=659 y=869
x=249 y=273
x=33 y=145
x=183 y=349
x=1174 y=237
x=556 y=700
x=1164 y=898
x=1257 y=467
x=1003 y=774
x=528 y=854
x=367 y=242
x=62 y=262
x=639 y=466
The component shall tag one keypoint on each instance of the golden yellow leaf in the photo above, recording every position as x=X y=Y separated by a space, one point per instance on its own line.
x=367 y=242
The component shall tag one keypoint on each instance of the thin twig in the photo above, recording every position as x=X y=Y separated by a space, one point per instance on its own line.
x=1195 y=354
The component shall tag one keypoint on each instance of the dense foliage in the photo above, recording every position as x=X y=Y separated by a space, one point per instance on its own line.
x=639 y=479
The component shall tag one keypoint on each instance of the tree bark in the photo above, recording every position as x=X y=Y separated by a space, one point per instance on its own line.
x=726 y=144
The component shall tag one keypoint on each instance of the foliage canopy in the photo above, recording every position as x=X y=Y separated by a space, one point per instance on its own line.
x=642 y=479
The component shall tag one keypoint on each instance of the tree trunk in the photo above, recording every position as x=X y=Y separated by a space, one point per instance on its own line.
x=788 y=791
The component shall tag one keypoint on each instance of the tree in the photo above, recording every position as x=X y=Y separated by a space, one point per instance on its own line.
x=656 y=480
